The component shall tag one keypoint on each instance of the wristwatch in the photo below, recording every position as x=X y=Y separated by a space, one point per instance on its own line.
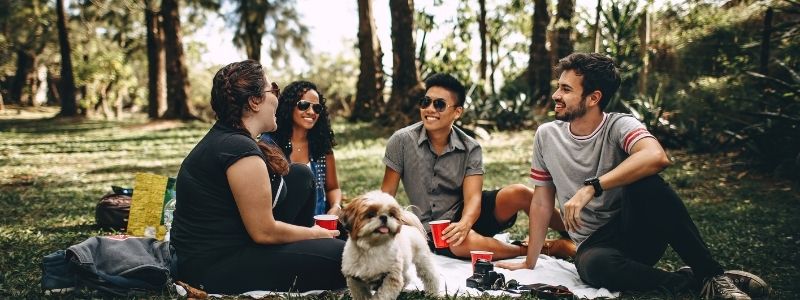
x=595 y=182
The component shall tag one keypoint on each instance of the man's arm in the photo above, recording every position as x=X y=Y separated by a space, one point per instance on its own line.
x=541 y=209
x=647 y=158
x=391 y=180
x=472 y=188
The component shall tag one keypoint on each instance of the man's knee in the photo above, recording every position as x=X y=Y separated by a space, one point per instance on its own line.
x=516 y=195
x=598 y=267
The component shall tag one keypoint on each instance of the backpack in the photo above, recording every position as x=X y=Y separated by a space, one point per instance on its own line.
x=111 y=212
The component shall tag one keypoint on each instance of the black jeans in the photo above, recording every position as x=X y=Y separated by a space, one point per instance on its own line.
x=299 y=266
x=621 y=254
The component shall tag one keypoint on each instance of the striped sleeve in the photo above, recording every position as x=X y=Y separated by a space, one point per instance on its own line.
x=540 y=175
x=631 y=131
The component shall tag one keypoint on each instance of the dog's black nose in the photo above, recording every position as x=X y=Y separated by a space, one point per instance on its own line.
x=383 y=219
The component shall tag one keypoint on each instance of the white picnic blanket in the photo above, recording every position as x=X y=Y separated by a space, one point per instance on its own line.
x=549 y=270
x=454 y=274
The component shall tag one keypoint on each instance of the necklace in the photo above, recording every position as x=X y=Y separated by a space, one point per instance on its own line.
x=289 y=146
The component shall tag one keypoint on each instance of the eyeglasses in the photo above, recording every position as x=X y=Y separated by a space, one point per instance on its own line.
x=303 y=105
x=275 y=90
x=438 y=104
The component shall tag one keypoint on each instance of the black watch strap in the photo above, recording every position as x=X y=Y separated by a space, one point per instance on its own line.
x=594 y=182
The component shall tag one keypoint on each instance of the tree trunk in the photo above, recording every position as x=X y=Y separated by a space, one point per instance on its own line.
x=539 y=72
x=253 y=14
x=69 y=106
x=482 y=32
x=178 y=106
x=369 y=90
x=156 y=73
x=764 y=62
x=644 y=44
x=406 y=87
x=598 y=11
x=25 y=62
x=566 y=11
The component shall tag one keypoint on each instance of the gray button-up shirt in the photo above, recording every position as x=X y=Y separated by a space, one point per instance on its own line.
x=433 y=183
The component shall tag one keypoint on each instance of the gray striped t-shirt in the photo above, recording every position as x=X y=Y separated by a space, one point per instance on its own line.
x=564 y=160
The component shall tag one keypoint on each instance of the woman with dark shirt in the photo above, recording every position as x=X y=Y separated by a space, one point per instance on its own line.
x=304 y=133
x=244 y=216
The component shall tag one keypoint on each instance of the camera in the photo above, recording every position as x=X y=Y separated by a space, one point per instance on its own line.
x=485 y=278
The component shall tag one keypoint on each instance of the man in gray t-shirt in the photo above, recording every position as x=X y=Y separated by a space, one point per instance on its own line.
x=602 y=168
x=442 y=172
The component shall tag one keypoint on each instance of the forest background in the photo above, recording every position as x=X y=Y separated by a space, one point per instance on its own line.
x=717 y=81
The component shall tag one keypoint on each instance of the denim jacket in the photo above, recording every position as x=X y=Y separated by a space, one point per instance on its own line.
x=318 y=167
x=112 y=264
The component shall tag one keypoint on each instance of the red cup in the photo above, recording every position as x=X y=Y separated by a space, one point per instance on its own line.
x=476 y=255
x=326 y=221
x=436 y=231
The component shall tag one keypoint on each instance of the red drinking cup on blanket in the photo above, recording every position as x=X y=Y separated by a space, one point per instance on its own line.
x=436 y=232
x=476 y=255
x=326 y=221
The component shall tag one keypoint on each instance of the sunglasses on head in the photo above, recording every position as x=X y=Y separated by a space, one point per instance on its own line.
x=438 y=103
x=303 y=105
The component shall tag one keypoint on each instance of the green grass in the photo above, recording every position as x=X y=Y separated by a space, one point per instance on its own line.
x=52 y=172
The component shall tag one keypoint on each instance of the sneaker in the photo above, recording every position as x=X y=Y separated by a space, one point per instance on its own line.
x=561 y=248
x=749 y=283
x=721 y=287
x=746 y=282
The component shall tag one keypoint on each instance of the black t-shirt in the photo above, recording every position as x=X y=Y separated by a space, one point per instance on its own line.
x=207 y=221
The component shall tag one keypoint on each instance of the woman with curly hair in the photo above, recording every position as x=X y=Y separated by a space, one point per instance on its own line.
x=304 y=133
x=244 y=216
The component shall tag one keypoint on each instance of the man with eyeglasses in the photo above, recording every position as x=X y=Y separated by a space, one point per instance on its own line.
x=441 y=168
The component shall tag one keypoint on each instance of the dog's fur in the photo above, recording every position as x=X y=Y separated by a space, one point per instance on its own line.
x=384 y=241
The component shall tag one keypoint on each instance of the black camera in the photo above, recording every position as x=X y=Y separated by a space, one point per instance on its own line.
x=485 y=278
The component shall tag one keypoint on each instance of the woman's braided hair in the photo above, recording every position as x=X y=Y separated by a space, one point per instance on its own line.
x=320 y=138
x=234 y=85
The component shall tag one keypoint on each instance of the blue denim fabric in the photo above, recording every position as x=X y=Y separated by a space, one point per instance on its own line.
x=318 y=167
x=115 y=265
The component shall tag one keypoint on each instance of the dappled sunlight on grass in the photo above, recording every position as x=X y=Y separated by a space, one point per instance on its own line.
x=53 y=172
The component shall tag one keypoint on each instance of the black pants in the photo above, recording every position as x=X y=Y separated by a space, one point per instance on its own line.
x=621 y=254
x=299 y=266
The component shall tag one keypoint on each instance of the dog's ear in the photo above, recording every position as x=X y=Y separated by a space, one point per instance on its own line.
x=348 y=214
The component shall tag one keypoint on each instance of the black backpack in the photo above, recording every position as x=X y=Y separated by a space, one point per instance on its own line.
x=111 y=212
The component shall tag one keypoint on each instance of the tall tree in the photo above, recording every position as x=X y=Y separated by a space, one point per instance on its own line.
x=565 y=12
x=539 y=72
x=26 y=25
x=178 y=105
x=598 y=10
x=644 y=44
x=369 y=89
x=156 y=69
x=482 y=32
x=69 y=106
x=406 y=86
x=256 y=18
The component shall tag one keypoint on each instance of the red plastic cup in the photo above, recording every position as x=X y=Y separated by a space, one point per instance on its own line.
x=326 y=221
x=436 y=231
x=476 y=255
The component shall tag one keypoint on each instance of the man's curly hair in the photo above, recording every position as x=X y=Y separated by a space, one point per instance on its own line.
x=320 y=138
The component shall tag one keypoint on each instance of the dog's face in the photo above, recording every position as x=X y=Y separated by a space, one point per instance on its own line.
x=375 y=217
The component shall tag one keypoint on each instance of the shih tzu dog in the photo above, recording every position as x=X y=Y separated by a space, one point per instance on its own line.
x=384 y=241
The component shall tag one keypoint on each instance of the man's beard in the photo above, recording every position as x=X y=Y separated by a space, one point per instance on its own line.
x=570 y=115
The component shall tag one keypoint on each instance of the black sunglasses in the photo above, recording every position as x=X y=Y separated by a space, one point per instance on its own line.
x=438 y=103
x=303 y=105
x=275 y=90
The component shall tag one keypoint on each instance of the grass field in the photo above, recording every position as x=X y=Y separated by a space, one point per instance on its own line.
x=52 y=172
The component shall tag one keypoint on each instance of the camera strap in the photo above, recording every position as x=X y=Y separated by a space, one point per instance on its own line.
x=541 y=290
